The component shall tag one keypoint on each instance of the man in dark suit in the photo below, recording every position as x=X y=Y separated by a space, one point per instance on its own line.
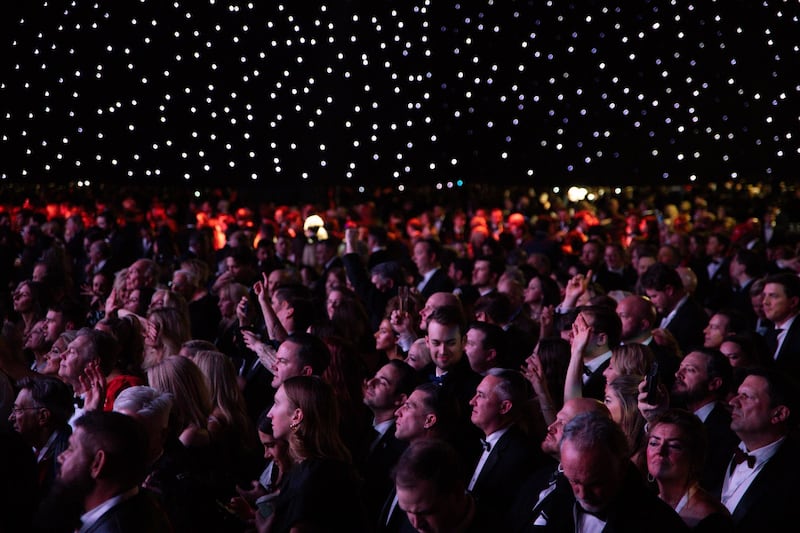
x=745 y=268
x=102 y=470
x=595 y=332
x=508 y=455
x=701 y=385
x=782 y=306
x=608 y=492
x=383 y=395
x=546 y=483
x=714 y=281
x=40 y=415
x=680 y=314
x=427 y=256
x=638 y=316
x=760 y=486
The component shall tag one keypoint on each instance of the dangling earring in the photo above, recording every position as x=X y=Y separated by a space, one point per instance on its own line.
x=294 y=427
x=650 y=477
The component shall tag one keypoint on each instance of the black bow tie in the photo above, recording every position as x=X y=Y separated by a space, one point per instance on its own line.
x=78 y=400
x=587 y=371
x=600 y=515
x=486 y=445
x=436 y=379
x=740 y=457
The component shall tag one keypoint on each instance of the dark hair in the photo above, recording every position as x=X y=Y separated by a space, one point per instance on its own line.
x=51 y=393
x=605 y=320
x=494 y=337
x=659 y=276
x=444 y=406
x=433 y=461
x=782 y=389
x=789 y=281
x=718 y=366
x=496 y=305
x=313 y=352
x=124 y=441
x=71 y=311
x=299 y=299
x=408 y=378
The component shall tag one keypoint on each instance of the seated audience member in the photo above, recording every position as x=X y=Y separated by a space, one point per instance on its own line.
x=41 y=416
x=191 y=282
x=508 y=455
x=19 y=489
x=782 y=307
x=629 y=359
x=607 y=489
x=57 y=352
x=546 y=370
x=759 y=486
x=166 y=330
x=264 y=489
x=384 y=393
x=680 y=313
x=639 y=326
x=386 y=343
x=596 y=331
x=431 y=489
x=676 y=449
x=184 y=488
x=101 y=473
x=418 y=356
x=621 y=399
x=701 y=386
x=127 y=369
x=547 y=484
x=722 y=324
x=305 y=414
x=486 y=347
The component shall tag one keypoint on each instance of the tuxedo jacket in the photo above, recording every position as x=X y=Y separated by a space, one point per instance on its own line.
x=772 y=500
x=511 y=460
x=526 y=501
x=688 y=324
x=375 y=467
x=715 y=291
x=140 y=513
x=722 y=442
x=595 y=386
x=636 y=508
x=788 y=358
x=439 y=282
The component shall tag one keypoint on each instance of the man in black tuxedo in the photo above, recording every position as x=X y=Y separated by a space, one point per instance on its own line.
x=545 y=485
x=101 y=472
x=701 y=385
x=508 y=455
x=427 y=256
x=638 y=316
x=714 y=280
x=745 y=268
x=608 y=492
x=680 y=314
x=782 y=306
x=384 y=394
x=760 y=486
x=594 y=355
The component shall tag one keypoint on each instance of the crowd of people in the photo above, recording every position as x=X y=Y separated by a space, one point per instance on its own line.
x=532 y=367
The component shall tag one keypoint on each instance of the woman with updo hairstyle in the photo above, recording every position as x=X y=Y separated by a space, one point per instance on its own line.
x=322 y=490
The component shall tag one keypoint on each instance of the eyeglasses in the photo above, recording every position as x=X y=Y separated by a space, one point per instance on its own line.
x=18 y=410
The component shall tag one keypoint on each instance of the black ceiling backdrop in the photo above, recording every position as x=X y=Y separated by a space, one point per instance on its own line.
x=399 y=93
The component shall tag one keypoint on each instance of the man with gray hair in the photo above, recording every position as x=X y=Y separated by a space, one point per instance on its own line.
x=184 y=488
x=508 y=456
x=608 y=492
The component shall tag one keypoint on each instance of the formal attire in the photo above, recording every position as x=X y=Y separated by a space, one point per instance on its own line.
x=379 y=453
x=722 y=442
x=324 y=494
x=785 y=350
x=635 y=508
x=686 y=323
x=502 y=468
x=438 y=282
x=763 y=495
x=132 y=512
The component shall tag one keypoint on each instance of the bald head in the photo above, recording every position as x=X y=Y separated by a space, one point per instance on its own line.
x=638 y=316
x=434 y=302
x=570 y=410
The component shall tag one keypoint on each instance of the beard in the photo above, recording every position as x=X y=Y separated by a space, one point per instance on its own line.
x=61 y=508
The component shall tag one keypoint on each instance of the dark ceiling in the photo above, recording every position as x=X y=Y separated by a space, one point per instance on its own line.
x=399 y=93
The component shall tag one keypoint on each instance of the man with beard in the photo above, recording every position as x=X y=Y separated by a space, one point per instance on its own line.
x=100 y=475
x=701 y=386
